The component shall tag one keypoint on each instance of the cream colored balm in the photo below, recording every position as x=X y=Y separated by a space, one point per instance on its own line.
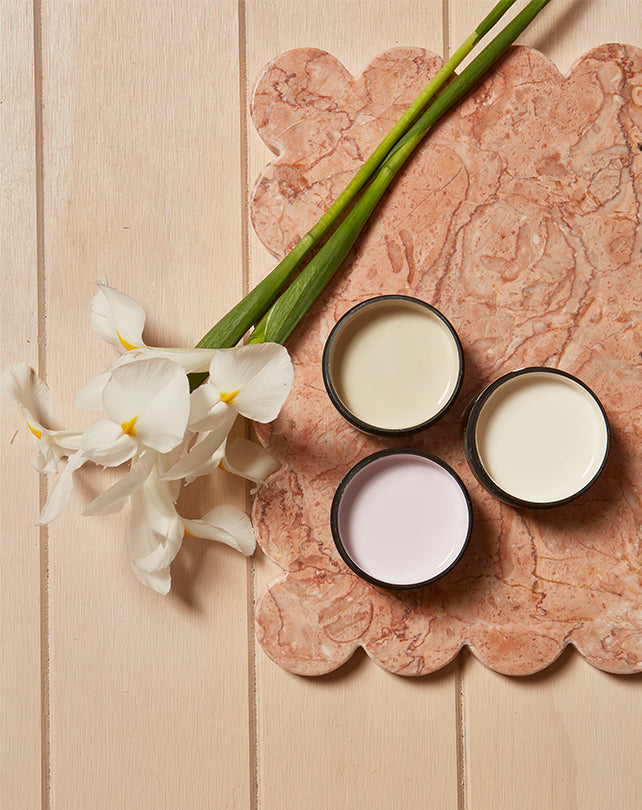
x=541 y=436
x=392 y=364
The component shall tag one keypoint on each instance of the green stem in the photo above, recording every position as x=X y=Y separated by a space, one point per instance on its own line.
x=410 y=116
x=278 y=323
x=231 y=328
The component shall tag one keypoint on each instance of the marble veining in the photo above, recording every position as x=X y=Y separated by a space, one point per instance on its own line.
x=518 y=218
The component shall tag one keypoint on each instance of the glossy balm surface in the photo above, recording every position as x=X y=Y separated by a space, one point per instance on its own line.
x=394 y=364
x=541 y=437
x=403 y=519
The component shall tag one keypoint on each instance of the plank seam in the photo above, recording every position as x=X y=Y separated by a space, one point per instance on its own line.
x=445 y=17
x=459 y=680
x=253 y=759
x=45 y=659
x=244 y=167
x=461 y=736
x=252 y=689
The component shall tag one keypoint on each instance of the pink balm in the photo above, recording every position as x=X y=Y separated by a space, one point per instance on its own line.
x=401 y=518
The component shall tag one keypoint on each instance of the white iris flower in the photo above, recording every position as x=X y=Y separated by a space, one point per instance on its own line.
x=21 y=385
x=165 y=434
x=251 y=381
x=120 y=321
x=147 y=405
x=156 y=531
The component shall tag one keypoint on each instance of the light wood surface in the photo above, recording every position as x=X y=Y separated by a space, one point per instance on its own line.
x=127 y=152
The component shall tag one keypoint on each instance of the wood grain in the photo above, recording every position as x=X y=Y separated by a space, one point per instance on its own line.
x=566 y=738
x=22 y=689
x=113 y=697
x=312 y=748
x=149 y=696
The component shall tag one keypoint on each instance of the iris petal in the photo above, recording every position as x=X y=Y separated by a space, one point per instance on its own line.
x=20 y=384
x=156 y=392
x=225 y=524
x=113 y=499
x=155 y=528
x=203 y=457
x=248 y=460
x=260 y=376
x=159 y=581
x=117 y=318
x=106 y=444
x=206 y=408
x=60 y=494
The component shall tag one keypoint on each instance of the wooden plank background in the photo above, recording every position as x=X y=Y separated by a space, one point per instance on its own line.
x=127 y=152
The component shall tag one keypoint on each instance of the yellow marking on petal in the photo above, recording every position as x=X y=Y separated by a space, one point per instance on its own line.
x=37 y=433
x=126 y=344
x=128 y=427
x=187 y=533
x=228 y=399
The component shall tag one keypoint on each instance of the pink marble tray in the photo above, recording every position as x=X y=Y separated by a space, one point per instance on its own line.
x=519 y=218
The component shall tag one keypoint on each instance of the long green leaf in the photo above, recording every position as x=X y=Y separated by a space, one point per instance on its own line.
x=277 y=325
x=231 y=328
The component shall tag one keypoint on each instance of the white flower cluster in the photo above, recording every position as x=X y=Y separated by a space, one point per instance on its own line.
x=166 y=434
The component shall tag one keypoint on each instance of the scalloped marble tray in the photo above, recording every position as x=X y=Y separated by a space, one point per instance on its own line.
x=519 y=218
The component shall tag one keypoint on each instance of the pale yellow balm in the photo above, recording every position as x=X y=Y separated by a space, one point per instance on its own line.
x=395 y=363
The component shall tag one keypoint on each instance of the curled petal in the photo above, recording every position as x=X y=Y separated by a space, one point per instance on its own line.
x=155 y=529
x=155 y=551
x=113 y=499
x=90 y=396
x=159 y=581
x=20 y=384
x=206 y=408
x=254 y=379
x=117 y=318
x=49 y=456
x=106 y=443
x=206 y=454
x=54 y=445
x=151 y=398
x=67 y=440
x=225 y=524
x=191 y=360
x=162 y=548
x=60 y=494
x=165 y=461
x=249 y=460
